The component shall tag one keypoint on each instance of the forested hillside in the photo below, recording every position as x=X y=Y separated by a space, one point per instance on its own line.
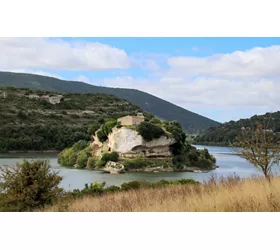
x=228 y=131
x=36 y=120
x=191 y=122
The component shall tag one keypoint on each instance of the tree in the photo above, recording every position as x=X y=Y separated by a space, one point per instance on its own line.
x=258 y=146
x=150 y=131
x=28 y=186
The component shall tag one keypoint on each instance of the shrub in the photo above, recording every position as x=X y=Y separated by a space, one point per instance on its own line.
x=112 y=189
x=135 y=185
x=80 y=145
x=93 y=128
x=138 y=162
x=22 y=115
x=108 y=126
x=67 y=157
x=101 y=136
x=155 y=121
x=114 y=156
x=176 y=130
x=82 y=160
x=91 y=163
x=28 y=186
x=204 y=163
x=94 y=188
x=150 y=131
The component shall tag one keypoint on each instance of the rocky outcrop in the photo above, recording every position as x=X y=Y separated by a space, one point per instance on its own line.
x=128 y=143
x=51 y=99
x=114 y=168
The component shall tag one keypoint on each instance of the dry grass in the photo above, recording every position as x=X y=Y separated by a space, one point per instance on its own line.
x=231 y=195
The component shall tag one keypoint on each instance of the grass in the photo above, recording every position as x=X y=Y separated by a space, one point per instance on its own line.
x=229 y=195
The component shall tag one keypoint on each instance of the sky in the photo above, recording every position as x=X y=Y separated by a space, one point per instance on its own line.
x=220 y=78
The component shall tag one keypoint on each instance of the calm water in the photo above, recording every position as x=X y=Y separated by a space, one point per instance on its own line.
x=74 y=178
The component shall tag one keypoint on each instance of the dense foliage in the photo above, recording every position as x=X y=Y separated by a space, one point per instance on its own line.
x=150 y=131
x=28 y=121
x=191 y=122
x=77 y=155
x=228 y=131
x=106 y=129
x=114 y=156
x=28 y=186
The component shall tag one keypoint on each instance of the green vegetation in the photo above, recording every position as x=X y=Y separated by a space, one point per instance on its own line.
x=106 y=129
x=191 y=122
x=114 y=156
x=141 y=162
x=184 y=155
x=77 y=155
x=97 y=189
x=28 y=186
x=32 y=185
x=150 y=131
x=229 y=131
x=29 y=122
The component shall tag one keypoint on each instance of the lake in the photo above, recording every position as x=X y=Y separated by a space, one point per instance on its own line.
x=228 y=163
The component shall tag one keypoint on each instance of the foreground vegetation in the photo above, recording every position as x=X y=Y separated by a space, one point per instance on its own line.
x=228 y=195
x=33 y=186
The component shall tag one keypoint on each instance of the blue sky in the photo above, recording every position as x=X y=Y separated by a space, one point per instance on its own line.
x=221 y=78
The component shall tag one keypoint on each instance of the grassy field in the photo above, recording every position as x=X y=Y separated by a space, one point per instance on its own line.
x=229 y=195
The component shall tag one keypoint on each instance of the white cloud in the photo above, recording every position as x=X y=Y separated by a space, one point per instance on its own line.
x=82 y=78
x=222 y=86
x=36 y=72
x=57 y=54
x=205 y=95
x=257 y=62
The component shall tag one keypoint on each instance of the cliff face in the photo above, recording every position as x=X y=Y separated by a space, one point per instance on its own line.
x=128 y=143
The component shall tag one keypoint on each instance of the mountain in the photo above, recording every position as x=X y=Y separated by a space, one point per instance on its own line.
x=222 y=134
x=36 y=120
x=191 y=122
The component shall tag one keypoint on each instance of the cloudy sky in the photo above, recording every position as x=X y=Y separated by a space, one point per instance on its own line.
x=221 y=78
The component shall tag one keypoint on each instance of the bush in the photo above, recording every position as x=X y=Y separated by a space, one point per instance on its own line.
x=94 y=188
x=135 y=185
x=114 y=156
x=82 y=160
x=135 y=163
x=28 y=186
x=80 y=145
x=176 y=130
x=155 y=121
x=91 y=163
x=150 y=131
x=101 y=136
x=93 y=128
x=67 y=157
x=108 y=126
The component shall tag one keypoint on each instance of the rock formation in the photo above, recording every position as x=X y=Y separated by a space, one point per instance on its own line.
x=128 y=143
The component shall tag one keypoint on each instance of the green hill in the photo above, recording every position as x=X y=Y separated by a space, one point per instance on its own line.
x=34 y=120
x=191 y=122
x=221 y=135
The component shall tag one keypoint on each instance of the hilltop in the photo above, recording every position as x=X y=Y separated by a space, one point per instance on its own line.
x=191 y=122
x=222 y=134
x=37 y=120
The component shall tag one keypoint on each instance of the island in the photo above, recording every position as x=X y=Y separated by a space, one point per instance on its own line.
x=135 y=143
